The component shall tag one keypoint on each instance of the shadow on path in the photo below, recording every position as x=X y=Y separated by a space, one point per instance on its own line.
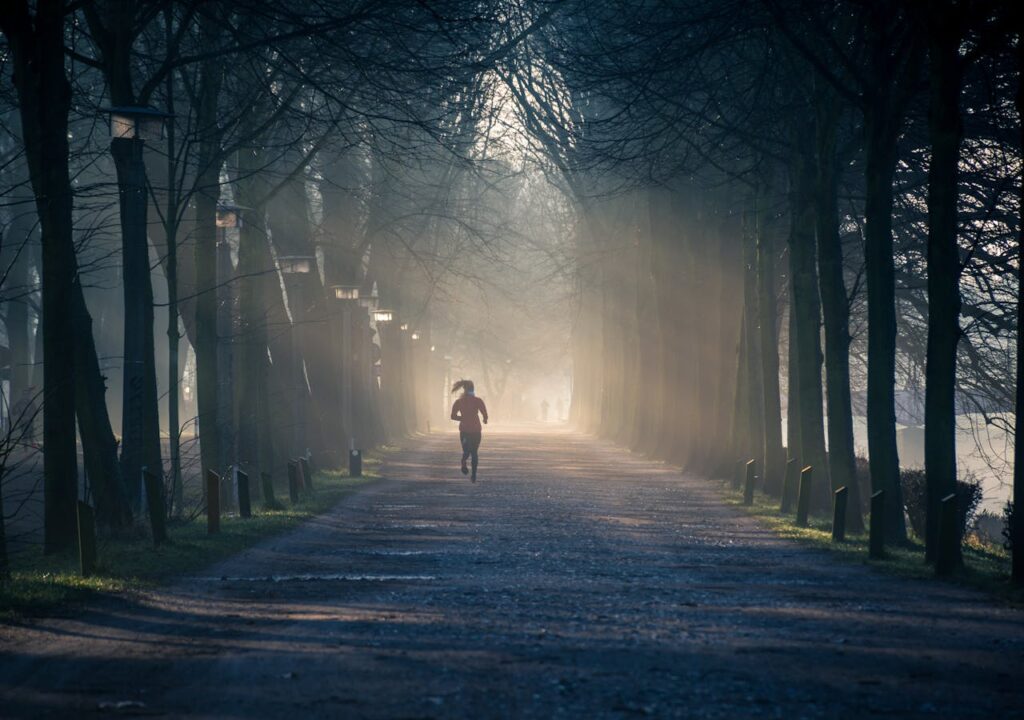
x=574 y=580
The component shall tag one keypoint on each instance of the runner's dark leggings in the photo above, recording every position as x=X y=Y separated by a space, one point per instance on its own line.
x=470 y=447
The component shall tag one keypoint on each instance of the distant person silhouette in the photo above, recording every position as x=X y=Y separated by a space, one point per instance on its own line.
x=544 y=406
x=467 y=410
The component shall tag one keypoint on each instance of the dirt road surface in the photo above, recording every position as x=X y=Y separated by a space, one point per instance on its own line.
x=573 y=580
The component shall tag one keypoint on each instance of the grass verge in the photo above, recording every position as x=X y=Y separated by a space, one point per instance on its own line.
x=51 y=585
x=986 y=568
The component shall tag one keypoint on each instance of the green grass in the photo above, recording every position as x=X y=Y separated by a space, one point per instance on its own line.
x=52 y=585
x=986 y=567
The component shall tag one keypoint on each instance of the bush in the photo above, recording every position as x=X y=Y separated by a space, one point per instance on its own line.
x=915 y=497
x=989 y=528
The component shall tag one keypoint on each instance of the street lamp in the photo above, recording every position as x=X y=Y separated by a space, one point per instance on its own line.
x=346 y=292
x=229 y=216
x=415 y=336
x=383 y=316
x=130 y=128
x=130 y=122
x=296 y=264
x=348 y=297
x=403 y=327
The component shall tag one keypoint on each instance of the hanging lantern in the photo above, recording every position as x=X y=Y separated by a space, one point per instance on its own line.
x=136 y=123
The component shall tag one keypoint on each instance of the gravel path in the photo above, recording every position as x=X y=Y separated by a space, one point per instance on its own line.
x=573 y=580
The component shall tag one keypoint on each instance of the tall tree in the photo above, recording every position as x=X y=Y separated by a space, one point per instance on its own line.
x=835 y=304
x=1017 y=517
x=36 y=43
x=805 y=308
x=945 y=22
x=114 y=28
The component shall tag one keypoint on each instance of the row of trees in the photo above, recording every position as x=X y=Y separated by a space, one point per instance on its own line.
x=309 y=151
x=837 y=180
x=777 y=206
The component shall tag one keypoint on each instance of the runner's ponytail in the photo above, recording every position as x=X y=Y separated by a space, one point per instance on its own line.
x=465 y=385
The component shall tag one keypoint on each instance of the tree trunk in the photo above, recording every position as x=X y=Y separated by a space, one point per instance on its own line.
x=19 y=332
x=5 y=567
x=773 y=459
x=806 y=310
x=729 y=317
x=944 y=132
x=741 y=441
x=880 y=276
x=174 y=376
x=99 y=446
x=36 y=45
x=1017 y=518
x=713 y=229
x=205 y=237
x=894 y=65
x=258 y=290
x=140 y=418
x=792 y=381
x=754 y=412
x=835 y=308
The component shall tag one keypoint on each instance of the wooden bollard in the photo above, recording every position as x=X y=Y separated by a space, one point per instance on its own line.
x=947 y=556
x=307 y=474
x=86 y=539
x=748 y=482
x=355 y=463
x=157 y=507
x=244 y=501
x=789 y=483
x=212 y=503
x=840 y=498
x=269 y=500
x=293 y=481
x=803 y=501
x=876 y=528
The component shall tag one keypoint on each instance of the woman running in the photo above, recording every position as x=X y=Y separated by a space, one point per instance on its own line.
x=467 y=410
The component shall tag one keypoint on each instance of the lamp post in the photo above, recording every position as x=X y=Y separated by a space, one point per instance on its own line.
x=291 y=267
x=396 y=376
x=130 y=128
x=348 y=297
x=381 y=321
x=229 y=217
